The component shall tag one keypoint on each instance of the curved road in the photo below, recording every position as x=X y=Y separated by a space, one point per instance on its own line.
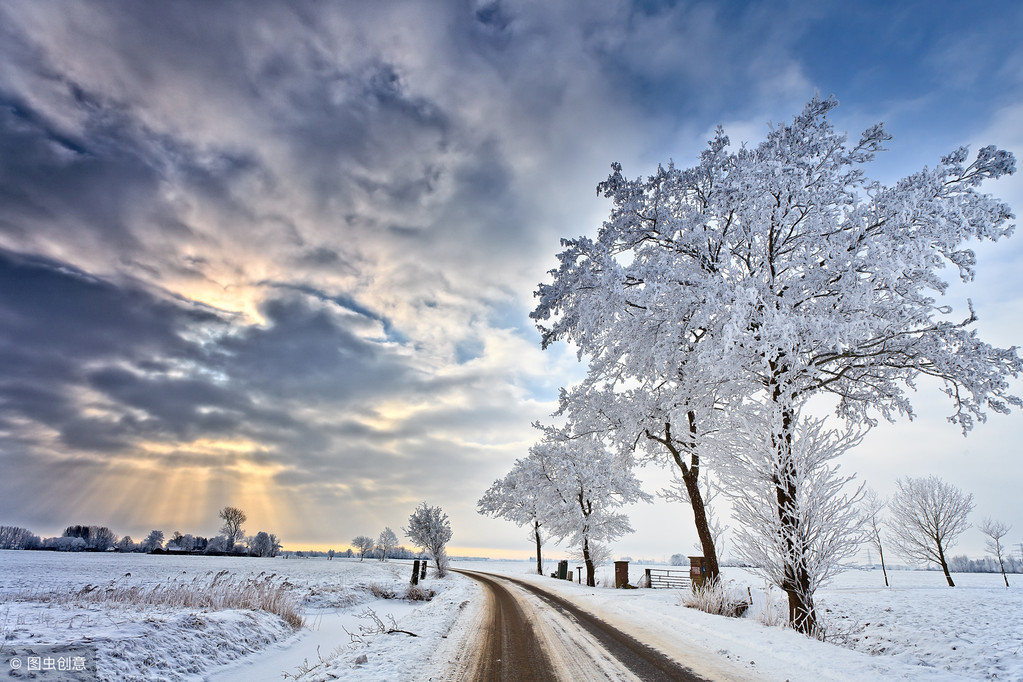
x=528 y=633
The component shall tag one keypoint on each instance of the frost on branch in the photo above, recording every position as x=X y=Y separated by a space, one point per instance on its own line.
x=798 y=542
x=927 y=517
x=772 y=274
x=577 y=484
x=516 y=497
x=430 y=530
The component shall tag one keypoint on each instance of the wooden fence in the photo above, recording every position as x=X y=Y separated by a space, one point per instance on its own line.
x=665 y=578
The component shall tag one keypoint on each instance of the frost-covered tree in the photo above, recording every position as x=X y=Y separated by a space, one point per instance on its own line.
x=186 y=542
x=873 y=507
x=995 y=531
x=15 y=537
x=216 y=545
x=363 y=545
x=233 y=518
x=802 y=543
x=515 y=498
x=153 y=541
x=430 y=530
x=264 y=545
x=927 y=517
x=677 y=560
x=65 y=544
x=99 y=538
x=774 y=273
x=582 y=485
x=386 y=543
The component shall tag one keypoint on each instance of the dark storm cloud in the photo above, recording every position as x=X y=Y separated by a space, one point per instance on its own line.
x=164 y=370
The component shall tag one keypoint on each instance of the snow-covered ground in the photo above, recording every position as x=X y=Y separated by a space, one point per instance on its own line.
x=143 y=642
x=918 y=629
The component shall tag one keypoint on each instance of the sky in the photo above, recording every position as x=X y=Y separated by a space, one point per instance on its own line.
x=281 y=255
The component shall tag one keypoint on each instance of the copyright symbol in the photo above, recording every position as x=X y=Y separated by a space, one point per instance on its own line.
x=15 y=663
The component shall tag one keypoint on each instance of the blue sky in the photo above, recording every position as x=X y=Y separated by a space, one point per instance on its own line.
x=281 y=255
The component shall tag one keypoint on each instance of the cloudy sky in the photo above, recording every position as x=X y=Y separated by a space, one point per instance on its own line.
x=281 y=255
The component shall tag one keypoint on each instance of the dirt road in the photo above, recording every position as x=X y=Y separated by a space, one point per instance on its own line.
x=526 y=633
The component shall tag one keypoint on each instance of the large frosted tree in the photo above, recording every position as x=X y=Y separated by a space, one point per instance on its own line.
x=775 y=273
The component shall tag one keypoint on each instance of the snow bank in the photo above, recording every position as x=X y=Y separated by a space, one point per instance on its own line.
x=916 y=630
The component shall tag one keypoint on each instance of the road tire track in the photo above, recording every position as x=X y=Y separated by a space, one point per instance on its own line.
x=507 y=648
x=553 y=639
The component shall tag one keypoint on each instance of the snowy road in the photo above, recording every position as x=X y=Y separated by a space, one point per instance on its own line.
x=527 y=633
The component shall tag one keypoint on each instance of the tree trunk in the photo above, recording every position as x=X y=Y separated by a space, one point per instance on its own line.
x=539 y=560
x=691 y=478
x=944 y=565
x=710 y=556
x=590 y=569
x=881 y=552
x=796 y=580
x=1002 y=566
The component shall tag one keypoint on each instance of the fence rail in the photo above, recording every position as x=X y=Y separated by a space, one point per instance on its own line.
x=664 y=578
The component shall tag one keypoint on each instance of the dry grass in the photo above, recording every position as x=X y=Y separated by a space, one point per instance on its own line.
x=418 y=593
x=382 y=592
x=220 y=592
x=716 y=597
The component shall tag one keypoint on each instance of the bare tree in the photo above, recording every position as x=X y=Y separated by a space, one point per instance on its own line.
x=15 y=537
x=363 y=544
x=232 y=529
x=873 y=510
x=386 y=543
x=995 y=531
x=927 y=516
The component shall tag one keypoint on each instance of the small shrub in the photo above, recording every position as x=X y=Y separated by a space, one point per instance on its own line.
x=418 y=593
x=381 y=592
x=774 y=612
x=717 y=598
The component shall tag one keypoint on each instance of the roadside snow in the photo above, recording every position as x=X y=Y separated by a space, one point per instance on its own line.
x=917 y=630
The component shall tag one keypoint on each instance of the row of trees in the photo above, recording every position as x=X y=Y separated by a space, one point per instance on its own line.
x=924 y=520
x=428 y=528
x=383 y=548
x=716 y=302
x=82 y=538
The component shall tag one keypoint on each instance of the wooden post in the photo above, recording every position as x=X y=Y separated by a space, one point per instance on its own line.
x=415 y=572
x=648 y=583
x=422 y=576
x=621 y=574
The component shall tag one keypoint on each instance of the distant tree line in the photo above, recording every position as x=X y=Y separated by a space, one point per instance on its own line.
x=85 y=538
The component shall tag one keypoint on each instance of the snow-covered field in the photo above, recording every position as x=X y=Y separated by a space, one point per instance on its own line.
x=917 y=629
x=145 y=642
